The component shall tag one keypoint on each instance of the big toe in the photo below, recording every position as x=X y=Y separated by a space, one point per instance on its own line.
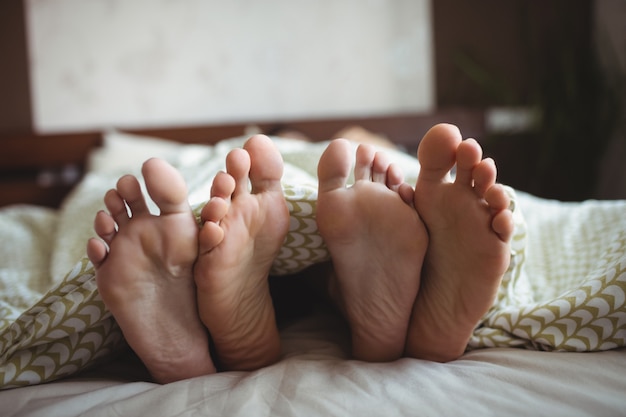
x=334 y=166
x=266 y=164
x=437 y=152
x=166 y=186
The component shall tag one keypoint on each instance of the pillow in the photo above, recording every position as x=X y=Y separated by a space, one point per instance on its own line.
x=122 y=151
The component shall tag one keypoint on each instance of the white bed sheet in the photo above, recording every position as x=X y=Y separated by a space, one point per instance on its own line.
x=315 y=379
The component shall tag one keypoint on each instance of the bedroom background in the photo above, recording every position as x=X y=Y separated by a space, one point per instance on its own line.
x=83 y=65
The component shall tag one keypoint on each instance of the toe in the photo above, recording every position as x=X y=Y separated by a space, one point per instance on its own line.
x=437 y=153
x=96 y=252
x=497 y=198
x=166 y=186
x=210 y=235
x=130 y=191
x=407 y=193
x=502 y=224
x=380 y=168
x=223 y=185
x=238 y=167
x=334 y=166
x=221 y=191
x=214 y=210
x=116 y=206
x=499 y=202
x=104 y=226
x=468 y=155
x=484 y=175
x=266 y=164
x=365 y=156
x=394 y=177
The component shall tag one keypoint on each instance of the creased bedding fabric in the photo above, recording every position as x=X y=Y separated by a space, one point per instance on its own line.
x=565 y=289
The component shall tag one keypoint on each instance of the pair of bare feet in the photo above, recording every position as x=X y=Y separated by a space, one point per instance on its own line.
x=414 y=269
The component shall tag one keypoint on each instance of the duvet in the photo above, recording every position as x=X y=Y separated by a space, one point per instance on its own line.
x=565 y=289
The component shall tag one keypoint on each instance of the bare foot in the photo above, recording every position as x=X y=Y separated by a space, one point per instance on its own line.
x=146 y=276
x=469 y=226
x=377 y=244
x=232 y=277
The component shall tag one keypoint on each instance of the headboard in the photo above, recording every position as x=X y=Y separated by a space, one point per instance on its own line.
x=42 y=168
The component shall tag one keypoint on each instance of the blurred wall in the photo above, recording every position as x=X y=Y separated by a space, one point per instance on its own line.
x=99 y=63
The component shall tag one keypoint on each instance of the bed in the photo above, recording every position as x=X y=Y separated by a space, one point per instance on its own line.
x=552 y=345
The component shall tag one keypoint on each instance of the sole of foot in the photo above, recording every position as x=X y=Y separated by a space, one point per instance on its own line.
x=469 y=226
